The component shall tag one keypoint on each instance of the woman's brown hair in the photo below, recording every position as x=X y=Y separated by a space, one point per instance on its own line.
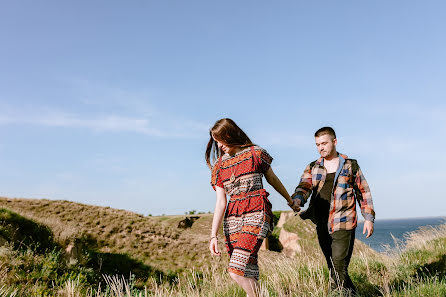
x=227 y=132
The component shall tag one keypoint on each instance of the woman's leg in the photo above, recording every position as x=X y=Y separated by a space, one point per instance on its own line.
x=249 y=284
x=250 y=232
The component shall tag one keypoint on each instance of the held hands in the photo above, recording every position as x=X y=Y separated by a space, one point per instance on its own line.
x=295 y=205
x=368 y=225
x=213 y=246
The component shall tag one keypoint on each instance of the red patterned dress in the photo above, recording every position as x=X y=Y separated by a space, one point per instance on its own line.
x=248 y=215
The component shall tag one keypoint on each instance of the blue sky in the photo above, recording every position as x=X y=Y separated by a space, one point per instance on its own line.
x=110 y=102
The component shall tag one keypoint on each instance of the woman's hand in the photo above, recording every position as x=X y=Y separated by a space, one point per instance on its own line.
x=213 y=247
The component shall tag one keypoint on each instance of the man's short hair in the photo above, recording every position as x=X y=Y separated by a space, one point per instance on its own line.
x=325 y=130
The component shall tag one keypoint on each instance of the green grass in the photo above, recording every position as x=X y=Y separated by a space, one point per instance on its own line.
x=33 y=262
x=31 y=273
x=24 y=233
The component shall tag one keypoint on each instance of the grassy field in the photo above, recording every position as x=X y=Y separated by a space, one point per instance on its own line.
x=61 y=248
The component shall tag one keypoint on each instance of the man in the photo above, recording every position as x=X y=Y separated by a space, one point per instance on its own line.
x=335 y=183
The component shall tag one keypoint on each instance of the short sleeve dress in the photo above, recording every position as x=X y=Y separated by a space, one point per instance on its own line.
x=248 y=215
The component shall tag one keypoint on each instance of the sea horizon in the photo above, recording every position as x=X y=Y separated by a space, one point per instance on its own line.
x=385 y=235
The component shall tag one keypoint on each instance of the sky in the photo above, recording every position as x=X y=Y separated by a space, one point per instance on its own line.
x=110 y=102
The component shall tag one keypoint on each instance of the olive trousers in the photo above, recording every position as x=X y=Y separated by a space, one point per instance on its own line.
x=337 y=248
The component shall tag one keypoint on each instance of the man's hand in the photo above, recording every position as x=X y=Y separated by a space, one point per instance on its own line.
x=295 y=206
x=368 y=225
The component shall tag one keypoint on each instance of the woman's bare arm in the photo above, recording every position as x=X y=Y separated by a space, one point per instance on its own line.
x=220 y=206
x=275 y=182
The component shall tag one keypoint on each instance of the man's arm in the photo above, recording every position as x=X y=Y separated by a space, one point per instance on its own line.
x=303 y=190
x=364 y=196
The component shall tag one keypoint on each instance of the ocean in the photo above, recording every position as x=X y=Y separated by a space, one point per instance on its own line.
x=384 y=229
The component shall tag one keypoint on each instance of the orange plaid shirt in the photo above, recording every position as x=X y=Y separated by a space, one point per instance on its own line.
x=347 y=189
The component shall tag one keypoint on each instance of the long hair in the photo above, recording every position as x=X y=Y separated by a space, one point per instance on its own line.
x=227 y=132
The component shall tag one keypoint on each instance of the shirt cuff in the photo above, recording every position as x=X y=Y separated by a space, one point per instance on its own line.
x=369 y=217
x=300 y=198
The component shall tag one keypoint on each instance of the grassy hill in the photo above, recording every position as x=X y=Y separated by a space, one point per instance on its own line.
x=60 y=236
x=151 y=240
x=62 y=248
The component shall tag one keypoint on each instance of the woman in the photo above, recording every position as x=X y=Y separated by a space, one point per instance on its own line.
x=238 y=168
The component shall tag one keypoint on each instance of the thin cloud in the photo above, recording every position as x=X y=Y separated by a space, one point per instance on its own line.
x=103 y=123
x=138 y=104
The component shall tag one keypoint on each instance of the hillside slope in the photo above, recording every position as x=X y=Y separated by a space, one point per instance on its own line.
x=155 y=241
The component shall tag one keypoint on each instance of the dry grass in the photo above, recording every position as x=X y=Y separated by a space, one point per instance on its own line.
x=424 y=237
x=5 y=291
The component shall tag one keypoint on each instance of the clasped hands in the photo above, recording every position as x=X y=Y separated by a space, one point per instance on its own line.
x=295 y=205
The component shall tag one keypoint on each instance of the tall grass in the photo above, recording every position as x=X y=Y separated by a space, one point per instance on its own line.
x=5 y=291
x=416 y=270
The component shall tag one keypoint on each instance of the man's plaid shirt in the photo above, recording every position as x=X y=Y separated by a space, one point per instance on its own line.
x=347 y=188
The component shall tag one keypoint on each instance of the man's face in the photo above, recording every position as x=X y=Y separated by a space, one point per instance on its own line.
x=326 y=145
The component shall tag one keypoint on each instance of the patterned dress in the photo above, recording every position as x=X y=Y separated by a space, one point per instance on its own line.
x=248 y=215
